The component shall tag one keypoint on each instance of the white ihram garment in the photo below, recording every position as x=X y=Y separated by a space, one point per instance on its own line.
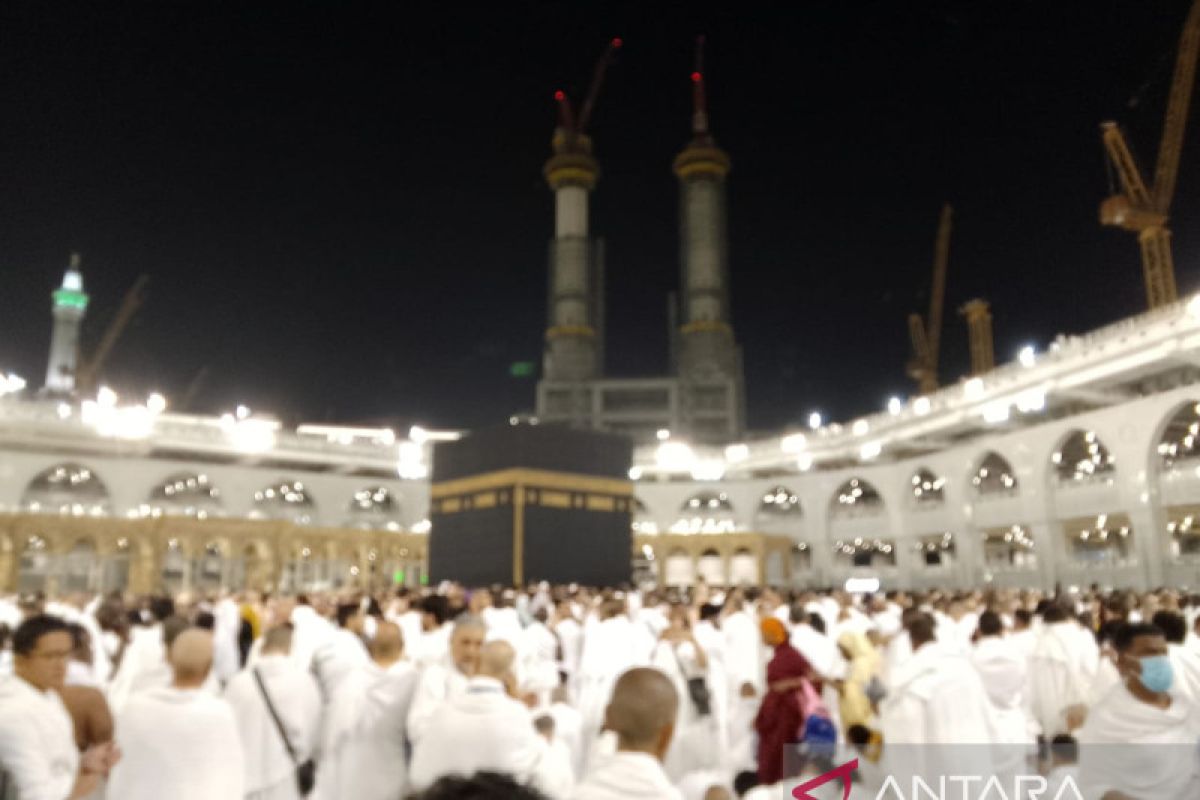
x=177 y=743
x=1138 y=749
x=693 y=746
x=481 y=729
x=37 y=741
x=627 y=776
x=363 y=752
x=1061 y=671
x=270 y=771
x=437 y=683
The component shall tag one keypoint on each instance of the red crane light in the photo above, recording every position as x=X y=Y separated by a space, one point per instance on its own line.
x=617 y=42
x=560 y=95
x=696 y=76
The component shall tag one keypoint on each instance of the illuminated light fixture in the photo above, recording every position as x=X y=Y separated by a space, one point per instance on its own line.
x=242 y=412
x=708 y=470
x=804 y=462
x=662 y=434
x=674 y=457
x=861 y=427
x=1027 y=356
x=1193 y=306
x=11 y=384
x=250 y=435
x=737 y=453
x=870 y=450
x=894 y=406
x=862 y=585
x=921 y=406
x=424 y=526
x=411 y=464
x=814 y=420
x=793 y=443
x=1031 y=400
x=418 y=434
x=995 y=413
x=64 y=410
x=106 y=397
x=635 y=473
x=156 y=403
x=973 y=389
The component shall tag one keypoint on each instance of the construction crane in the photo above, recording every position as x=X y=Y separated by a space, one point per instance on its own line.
x=87 y=374
x=572 y=126
x=1145 y=209
x=979 y=335
x=926 y=333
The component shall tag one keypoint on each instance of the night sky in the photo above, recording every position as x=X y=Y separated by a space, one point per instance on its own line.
x=341 y=210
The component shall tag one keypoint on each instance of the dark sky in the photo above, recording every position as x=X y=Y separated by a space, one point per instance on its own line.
x=341 y=210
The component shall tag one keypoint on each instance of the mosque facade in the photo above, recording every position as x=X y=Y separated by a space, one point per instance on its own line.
x=1073 y=466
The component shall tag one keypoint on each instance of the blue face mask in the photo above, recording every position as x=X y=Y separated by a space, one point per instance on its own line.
x=1157 y=674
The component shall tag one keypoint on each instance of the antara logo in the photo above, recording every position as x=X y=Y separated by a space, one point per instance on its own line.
x=951 y=787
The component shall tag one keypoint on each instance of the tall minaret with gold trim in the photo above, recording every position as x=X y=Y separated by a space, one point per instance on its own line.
x=709 y=362
x=574 y=330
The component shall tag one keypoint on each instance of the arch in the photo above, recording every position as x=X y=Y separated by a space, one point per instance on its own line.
x=285 y=499
x=780 y=501
x=79 y=567
x=678 y=568
x=927 y=489
x=706 y=512
x=743 y=568
x=35 y=564
x=374 y=508
x=186 y=494
x=67 y=488
x=1082 y=458
x=855 y=496
x=710 y=567
x=1180 y=437
x=994 y=475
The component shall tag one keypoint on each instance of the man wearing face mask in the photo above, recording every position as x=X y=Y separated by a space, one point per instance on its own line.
x=1139 y=741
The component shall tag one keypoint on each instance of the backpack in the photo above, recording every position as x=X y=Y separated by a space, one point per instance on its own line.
x=817 y=731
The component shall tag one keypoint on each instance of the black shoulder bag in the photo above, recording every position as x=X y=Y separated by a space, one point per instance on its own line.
x=306 y=773
x=697 y=687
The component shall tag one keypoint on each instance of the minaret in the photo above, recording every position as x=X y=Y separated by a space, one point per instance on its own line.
x=69 y=305
x=708 y=357
x=574 y=328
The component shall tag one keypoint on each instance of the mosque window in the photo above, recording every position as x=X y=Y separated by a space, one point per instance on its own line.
x=994 y=476
x=1008 y=547
x=1180 y=440
x=780 y=501
x=1105 y=539
x=936 y=550
x=855 y=497
x=1083 y=458
x=862 y=552
x=186 y=494
x=706 y=512
x=928 y=490
x=285 y=500
x=70 y=489
x=1183 y=527
x=374 y=508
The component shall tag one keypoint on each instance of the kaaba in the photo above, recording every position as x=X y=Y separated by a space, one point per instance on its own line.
x=517 y=504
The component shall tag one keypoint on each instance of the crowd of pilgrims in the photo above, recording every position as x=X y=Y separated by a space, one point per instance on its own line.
x=565 y=692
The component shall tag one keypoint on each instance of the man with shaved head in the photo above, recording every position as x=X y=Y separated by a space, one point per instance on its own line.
x=447 y=678
x=642 y=716
x=179 y=741
x=296 y=700
x=483 y=728
x=362 y=753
